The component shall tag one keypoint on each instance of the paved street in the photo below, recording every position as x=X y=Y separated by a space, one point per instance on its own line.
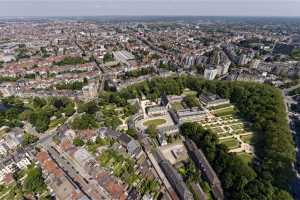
x=87 y=185
x=296 y=132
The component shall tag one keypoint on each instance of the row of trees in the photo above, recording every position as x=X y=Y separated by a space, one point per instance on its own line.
x=70 y=61
x=76 y=85
x=139 y=72
x=262 y=105
x=8 y=79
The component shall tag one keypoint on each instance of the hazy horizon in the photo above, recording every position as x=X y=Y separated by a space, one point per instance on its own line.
x=68 y=8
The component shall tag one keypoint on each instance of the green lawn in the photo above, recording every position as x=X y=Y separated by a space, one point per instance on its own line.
x=224 y=112
x=4 y=189
x=93 y=146
x=247 y=139
x=231 y=143
x=56 y=122
x=217 y=130
x=155 y=122
x=220 y=106
x=177 y=105
x=3 y=133
x=189 y=92
x=237 y=126
x=247 y=158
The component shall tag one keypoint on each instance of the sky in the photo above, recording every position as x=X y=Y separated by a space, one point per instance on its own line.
x=11 y=8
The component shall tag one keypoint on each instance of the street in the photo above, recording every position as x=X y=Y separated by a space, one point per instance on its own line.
x=295 y=130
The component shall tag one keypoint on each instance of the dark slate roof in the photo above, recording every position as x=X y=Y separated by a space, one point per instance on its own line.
x=124 y=139
x=202 y=163
x=174 y=178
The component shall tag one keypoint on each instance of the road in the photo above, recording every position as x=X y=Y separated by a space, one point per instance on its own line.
x=291 y=89
x=295 y=185
x=75 y=175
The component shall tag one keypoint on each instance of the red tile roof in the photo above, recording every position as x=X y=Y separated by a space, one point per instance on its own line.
x=65 y=144
x=87 y=134
x=115 y=190
x=42 y=156
x=8 y=178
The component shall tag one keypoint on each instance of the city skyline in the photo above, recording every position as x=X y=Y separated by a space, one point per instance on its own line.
x=44 y=8
x=98 y=104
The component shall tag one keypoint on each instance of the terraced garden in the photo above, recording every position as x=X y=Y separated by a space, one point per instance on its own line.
x=231 y=130
x=247 y=138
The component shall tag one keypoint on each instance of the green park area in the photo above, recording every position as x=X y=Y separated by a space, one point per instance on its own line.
x=37 y=111
x=154 y=122
x=231 y=143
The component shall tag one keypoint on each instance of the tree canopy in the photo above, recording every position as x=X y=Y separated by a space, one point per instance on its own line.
x=34 y=181
x=84 y=121
x=191 y=101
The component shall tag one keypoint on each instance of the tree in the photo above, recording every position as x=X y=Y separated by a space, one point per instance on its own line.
x=69 y=109
x=76 y=85
x=108 y=57
x=191 y=101
x=112 y=121
x=78 y=142
x=40 y=120
x=70 y=61
x=29 y=139
x=38 y=102
x=34 y=181
x=85 y=81
x=90 y=107
x=281 y=194
x=129 y=110
x=132 y=132
x=84 y=121
x=151 y=131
